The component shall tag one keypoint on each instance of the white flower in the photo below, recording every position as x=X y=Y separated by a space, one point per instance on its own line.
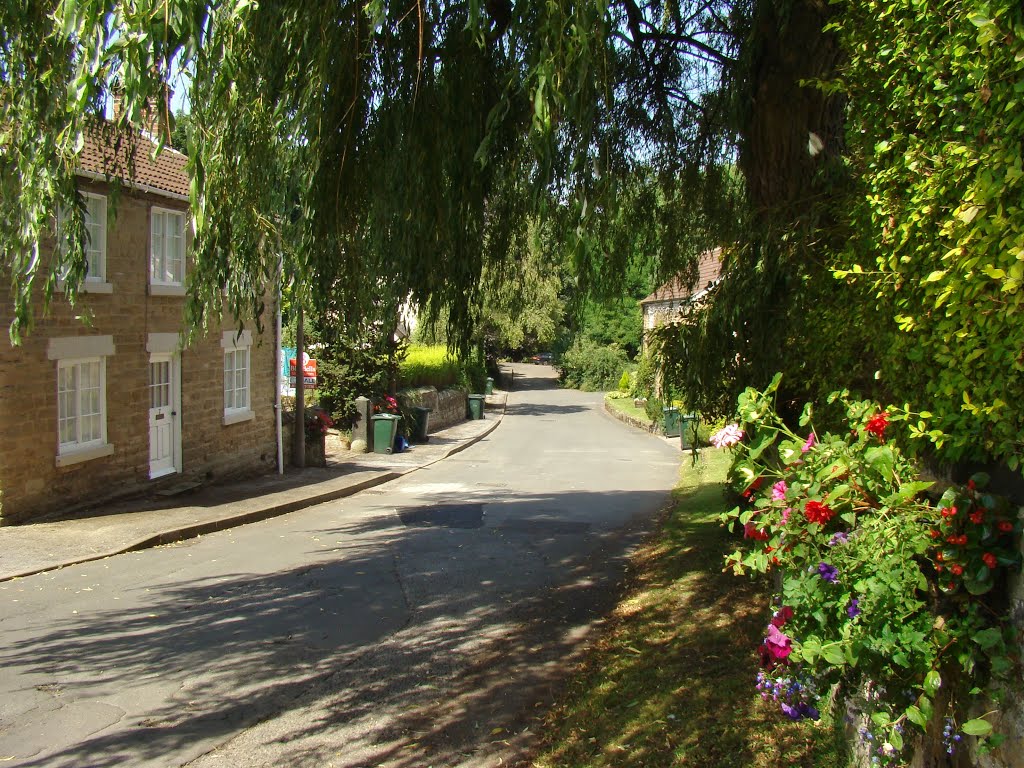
x=726 y=436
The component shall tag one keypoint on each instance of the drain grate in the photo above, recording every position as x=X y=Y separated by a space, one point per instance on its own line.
x=444 y=515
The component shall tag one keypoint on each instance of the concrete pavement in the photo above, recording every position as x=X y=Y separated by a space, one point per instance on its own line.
x=141 y=523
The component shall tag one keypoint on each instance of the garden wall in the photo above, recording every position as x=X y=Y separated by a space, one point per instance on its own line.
x=447 y=406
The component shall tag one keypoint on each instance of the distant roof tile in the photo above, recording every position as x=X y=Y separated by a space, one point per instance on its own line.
x=709 y=267
x=166 y=173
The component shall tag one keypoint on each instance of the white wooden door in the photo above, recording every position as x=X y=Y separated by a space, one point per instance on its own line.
x=164 y=434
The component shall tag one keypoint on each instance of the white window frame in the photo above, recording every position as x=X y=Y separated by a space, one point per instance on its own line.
x=235 y=344
x=158 y=284
x=69 y=353
x=95 y=252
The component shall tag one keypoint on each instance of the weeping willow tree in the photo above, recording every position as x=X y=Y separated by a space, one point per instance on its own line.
x=380 y=147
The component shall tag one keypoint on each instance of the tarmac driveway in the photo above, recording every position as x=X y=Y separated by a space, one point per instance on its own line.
x=415 y=624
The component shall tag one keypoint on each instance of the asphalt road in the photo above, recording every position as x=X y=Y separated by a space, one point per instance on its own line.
x=417 y=624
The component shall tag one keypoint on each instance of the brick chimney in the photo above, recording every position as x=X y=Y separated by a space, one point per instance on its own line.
x=155 y=114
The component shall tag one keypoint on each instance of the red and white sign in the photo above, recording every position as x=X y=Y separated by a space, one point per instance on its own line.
x=308 y=372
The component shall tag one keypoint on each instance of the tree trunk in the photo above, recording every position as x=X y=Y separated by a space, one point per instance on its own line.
x=790 y=129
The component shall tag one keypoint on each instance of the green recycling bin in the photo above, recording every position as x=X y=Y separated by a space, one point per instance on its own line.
x=420 y=424
x=671 y=421
x=489 y=389
x=475 y=405
x=385 y=427
x=688 y=431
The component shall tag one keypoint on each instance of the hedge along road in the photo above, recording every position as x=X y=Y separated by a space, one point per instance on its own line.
x=416 y=624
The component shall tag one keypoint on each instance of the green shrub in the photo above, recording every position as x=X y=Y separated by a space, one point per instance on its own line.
x=642 y=384
x=591 y=368
x=654 y=408
x=624 y=382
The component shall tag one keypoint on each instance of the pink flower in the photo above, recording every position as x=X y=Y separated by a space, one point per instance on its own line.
x=778 y=644
x=784 y=614
x=785 y=515
x=779 y=490
x=727 y=436
x=810 y=443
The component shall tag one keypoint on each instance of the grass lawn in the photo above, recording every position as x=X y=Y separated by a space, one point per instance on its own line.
x=671 y=681
x=625 y=405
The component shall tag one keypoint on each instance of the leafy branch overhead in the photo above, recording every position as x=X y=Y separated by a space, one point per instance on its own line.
x=360 y=139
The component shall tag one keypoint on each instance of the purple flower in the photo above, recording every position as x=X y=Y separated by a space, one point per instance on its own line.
x=828 y=572
x=838 y=538
x=790 y=711
x=852 y=610
x=799 y=710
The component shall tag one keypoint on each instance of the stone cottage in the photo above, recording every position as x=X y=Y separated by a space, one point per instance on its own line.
x=673 y=300
x=118 y=405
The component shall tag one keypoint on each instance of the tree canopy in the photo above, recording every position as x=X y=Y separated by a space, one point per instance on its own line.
x=367 y=142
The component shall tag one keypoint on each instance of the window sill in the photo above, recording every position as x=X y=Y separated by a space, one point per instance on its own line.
x=90 y=286
x=237 y=417
x=84 y=454
x=166 y=290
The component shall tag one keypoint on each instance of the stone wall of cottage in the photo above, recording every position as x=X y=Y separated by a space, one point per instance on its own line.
x=31 y=484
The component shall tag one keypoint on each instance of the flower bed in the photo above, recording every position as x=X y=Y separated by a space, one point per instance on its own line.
x=882 y=589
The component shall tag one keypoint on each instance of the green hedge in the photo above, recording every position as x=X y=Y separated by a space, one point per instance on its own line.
x=433 y=366
x=429 y=366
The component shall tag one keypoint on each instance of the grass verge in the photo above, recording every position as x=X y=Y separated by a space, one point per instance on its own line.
x=671 y=680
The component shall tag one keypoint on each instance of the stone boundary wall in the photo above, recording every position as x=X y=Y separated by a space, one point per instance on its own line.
x=447 y=407
x=646 y=426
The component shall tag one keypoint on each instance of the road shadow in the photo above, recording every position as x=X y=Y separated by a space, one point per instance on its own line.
x=447 y=662
x=529 y=377
x=538 y=409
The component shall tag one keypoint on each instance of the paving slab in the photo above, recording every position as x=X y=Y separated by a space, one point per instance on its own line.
x=63 y=539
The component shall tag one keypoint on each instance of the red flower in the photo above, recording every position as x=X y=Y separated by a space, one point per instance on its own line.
x=1005 y=526
x=750 y=531
x=949 y=512
x=962 y=539
x=989 y=559
x=938 y=568
x=952 y=539
x=784 y=614
x=934 y=533
x=939 y=556
x=977 y=516
x=876 y=424
x=955 y=569
x=816 y=512
x=971 y=485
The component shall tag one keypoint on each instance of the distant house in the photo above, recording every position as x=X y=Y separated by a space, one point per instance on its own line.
x=674 y=300
x=119 y=405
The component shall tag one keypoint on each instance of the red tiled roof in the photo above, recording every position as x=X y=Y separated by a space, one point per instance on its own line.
x=102 y=154
x=709 y=267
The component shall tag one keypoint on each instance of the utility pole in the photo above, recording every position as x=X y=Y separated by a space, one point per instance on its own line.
x=299 y=434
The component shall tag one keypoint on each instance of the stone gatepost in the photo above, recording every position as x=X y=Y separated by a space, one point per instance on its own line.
x=361 y=426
